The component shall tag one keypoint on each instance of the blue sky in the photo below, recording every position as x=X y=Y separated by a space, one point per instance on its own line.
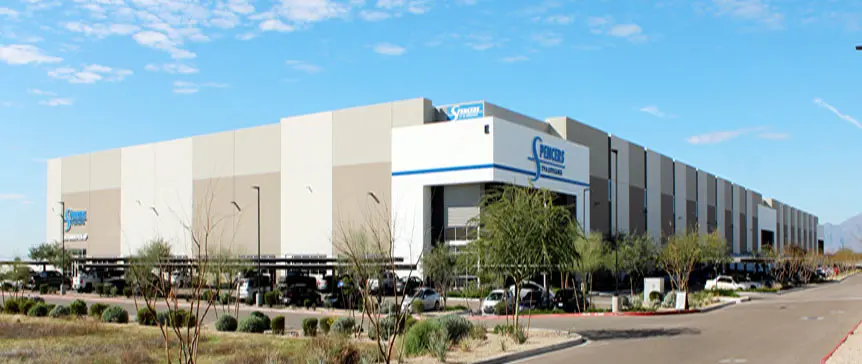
x=765 y=93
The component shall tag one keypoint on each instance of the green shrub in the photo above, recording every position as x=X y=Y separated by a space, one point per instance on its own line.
x=417 y=306
x=50 y=306
x=343 y=326
x=409 y=322
x=263 y=316
x=336 y=350
x=225 y=298
x=115 y=291
x=457 y=326
x=655 y=296
x=309 y=326
x=271 y=298
x=127 y=291
x=115 y=314
x=26 y=304
x=387 y=328
x=78 y=308
x=416 y=341
x=43 y=289
x=146 y=316
x=277 y=325
x=208 y=296
x=500 y=309
x=12 y=306
x=59 y=311
x=726 y=293
x=178 y=318
x=254 y=324
x=479 y=332
x=100 y=289
x=324 y=324
x=226 y=323
x=438 y=343
x=250 y=300
x=306 y=303
x=38 y=310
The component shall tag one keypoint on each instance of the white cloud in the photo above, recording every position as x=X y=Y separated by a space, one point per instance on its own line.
x=400 y=6
x=389 y=49
x=101 y=30
x=373 y=15
x=558 y=19
x=57 y=102
x=837 y=113
x=605 y=25
x=17 y=54
x=172 y=68
x=276 y=26
x=36 y=91
x=186 y=87
x=12 y=13
x=547 y=39
x=309 y=11
x=625 y=30
x=161 y=41
x=774 y=136
x=753 y=10
x=240 y=6
x=6 y=104
x=482 y=42
x=653 y=110
x=246 y=36
x=514 y=59
x=90 y=74
x=303 y=66
x=11 y=196
x=720 y=136
x=598 y=21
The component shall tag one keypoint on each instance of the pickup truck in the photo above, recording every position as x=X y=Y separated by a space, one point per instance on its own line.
x=87 y=281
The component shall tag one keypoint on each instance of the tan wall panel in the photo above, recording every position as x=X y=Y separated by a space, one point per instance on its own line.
x=352 y=206
x=78 y=201
x=105 y=170
x=270 y=213
x=213 y=156
x=362 y=135
x=412 y=112
x=104 y=224
x=76 y=174
x=214 y=213
x=258 y=150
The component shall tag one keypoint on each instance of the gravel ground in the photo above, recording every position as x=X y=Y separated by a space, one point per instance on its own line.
x=850 y=352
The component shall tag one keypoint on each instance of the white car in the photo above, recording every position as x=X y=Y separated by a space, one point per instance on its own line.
x=727 y=282
x=529 y=286
x=496 y=296
x=181 y=279
x=429 y=298
x=248 y=288
x=87 y=281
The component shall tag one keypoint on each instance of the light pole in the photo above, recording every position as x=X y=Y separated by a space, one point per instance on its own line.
x=259 y=280
x=616 y=230
x=63 y=245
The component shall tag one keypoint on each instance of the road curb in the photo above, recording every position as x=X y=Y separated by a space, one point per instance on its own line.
x=508 y=358
x=594 y=314
x=844 y=339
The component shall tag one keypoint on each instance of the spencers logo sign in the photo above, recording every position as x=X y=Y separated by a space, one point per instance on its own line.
x=549 y=160
x=75 y=218
x=465 y=111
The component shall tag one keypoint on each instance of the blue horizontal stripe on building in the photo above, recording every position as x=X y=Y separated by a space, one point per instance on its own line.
x=487 y=166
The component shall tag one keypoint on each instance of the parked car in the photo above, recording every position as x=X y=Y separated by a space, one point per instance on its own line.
x=292 y=279
x=249 y=287
x=86 y=281
x=429 y=297
x=410 y=285
x=528 y=286
x=299 y=293
x=50 y=278
x=496 y=296
x=569 y=300
x=181 y=279
x=728 y=282
x=387 y=283
x=533 y=300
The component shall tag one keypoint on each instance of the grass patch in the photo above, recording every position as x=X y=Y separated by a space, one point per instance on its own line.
x=456 y=308
x=87 y=341
x=763 y=290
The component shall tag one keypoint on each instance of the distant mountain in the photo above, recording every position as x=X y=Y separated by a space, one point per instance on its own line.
x=847 y=234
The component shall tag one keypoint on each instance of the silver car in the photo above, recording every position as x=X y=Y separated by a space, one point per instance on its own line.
x=429 y=298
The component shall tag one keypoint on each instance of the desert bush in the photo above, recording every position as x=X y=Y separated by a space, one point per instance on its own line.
x=387 y=328
x=500 y=309
x=38 y=310
x=100 y=289
x=97 y=309
x=254 y=324
x=479 y=332
x=335 y=350
x=115 y=291
x=226 y=323
x=417 y=306
x=127 y=291
x=225 y=298
x=343 y=326
x=277 y=325
x=43 y=289
x=516 y=333
x=146 y=316
x=250 y=300
x=78 y=308
x=456 y=326
x=59 y=311
x=207 y=295
x=115 y=314
x=178 y=318
x=409 y=321
x=270 y=298
x=669 y=300
x=309 y=327
x=416 y=341
x=50 y=306
x=324 y=324
x=438 y=343
x=263 y=316
x=12 y=306
x=26 y=304
x=655 y=296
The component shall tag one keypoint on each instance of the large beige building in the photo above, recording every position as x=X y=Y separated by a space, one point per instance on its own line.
x=428 y=165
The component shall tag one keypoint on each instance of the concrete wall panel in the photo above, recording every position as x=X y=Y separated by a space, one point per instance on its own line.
x=105 y=170
x=703 y=221
x=76 y=174
x=667 y=176
x=258 y=150
x=637 y=166
x=653 y=192
x=270 y=213
x=620 y=208
x=592 y=138
x=214 y=216
x=412 y=112
x=720 y=205
x=680 y=195
x=53 y=196
x=213 y=156
x=353 y=204
x=137 y=196
x=104 y=223
x=173 y=195
x=362 y=135
x=306 y=184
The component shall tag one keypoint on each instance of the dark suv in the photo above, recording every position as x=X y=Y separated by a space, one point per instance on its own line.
x=569 y=300
x=49 y=278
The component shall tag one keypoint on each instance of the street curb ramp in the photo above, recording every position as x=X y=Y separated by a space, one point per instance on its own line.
x=508 y=358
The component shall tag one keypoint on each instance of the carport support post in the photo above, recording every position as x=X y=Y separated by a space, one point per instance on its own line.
x=63 y=244
x=259 y=280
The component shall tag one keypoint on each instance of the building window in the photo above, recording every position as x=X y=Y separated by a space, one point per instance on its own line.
x=461 y=233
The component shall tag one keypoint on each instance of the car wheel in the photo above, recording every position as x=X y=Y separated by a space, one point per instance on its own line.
x=436 y=305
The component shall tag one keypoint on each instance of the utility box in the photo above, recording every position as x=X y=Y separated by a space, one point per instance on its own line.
x=653 y=284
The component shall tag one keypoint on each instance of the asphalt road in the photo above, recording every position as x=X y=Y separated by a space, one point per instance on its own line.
x=797 y=327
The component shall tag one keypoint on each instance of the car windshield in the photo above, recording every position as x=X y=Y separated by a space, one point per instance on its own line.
x=496 y=296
